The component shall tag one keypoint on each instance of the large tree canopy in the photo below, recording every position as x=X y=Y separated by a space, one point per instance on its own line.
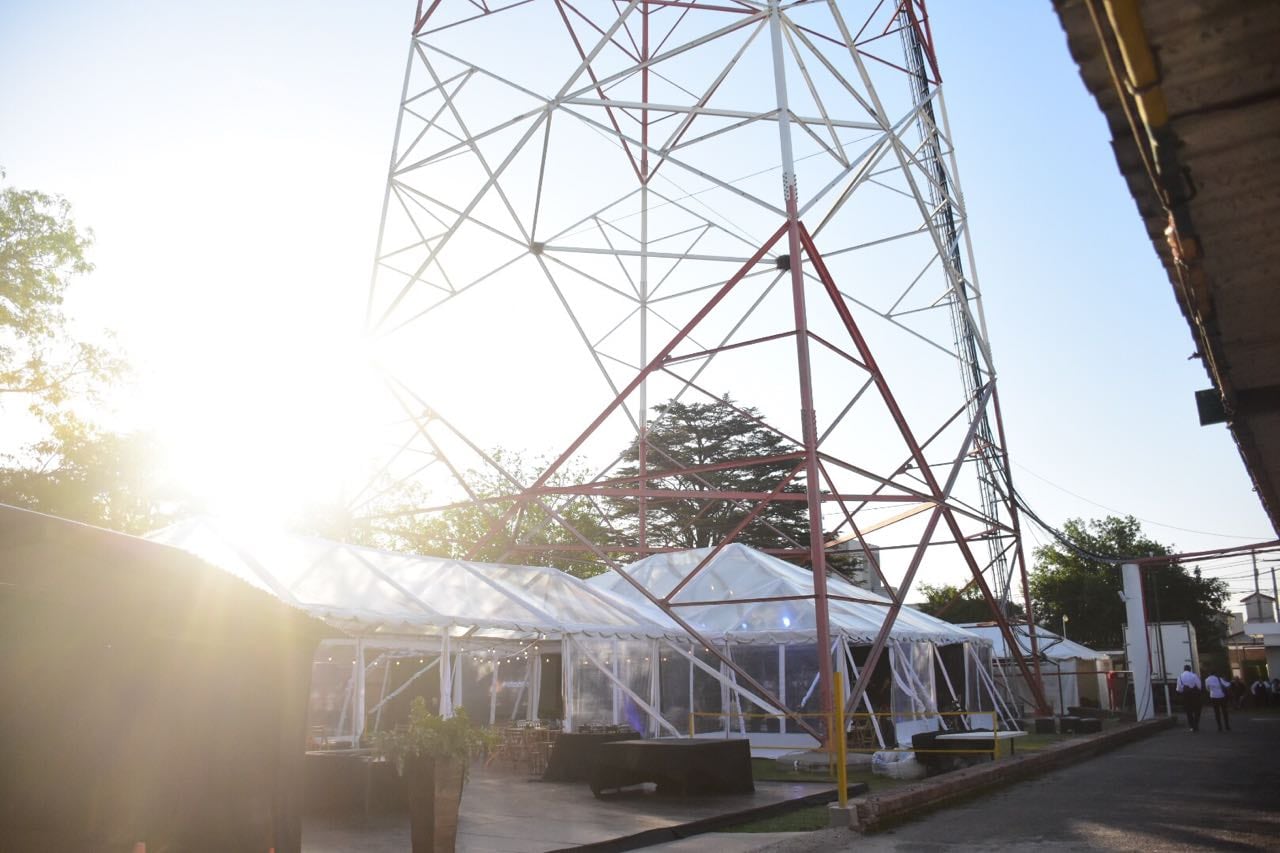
x=41 y=251
x=476 y=530
x=689 y=435
x=87 y=474
x=59 y=461
x=958 y=607
x=1086 y=591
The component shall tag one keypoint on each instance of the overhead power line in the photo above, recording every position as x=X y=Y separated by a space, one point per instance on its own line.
x=1198 y=556
x=1143 y=520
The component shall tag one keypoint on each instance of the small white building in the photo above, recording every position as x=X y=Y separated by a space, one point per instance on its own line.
x=1260 y=620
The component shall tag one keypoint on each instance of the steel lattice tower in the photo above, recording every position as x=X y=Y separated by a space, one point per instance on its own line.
x=595 y=207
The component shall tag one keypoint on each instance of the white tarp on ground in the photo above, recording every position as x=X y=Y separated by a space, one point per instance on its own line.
x=364 y=591
x=739 y=574
x=1072 y=673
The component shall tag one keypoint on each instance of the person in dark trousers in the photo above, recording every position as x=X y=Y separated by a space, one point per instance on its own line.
x=1189 y=688
x=1238 y=692
x=1219 y=690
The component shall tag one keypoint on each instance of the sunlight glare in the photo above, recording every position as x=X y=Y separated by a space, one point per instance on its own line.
x=276 y=429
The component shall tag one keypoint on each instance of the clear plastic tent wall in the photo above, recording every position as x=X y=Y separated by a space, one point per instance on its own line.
x=516 y=642
x=484 y=637
x=930 y=665
x=1073 y=674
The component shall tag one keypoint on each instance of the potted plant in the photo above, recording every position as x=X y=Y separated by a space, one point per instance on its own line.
x=432 y=753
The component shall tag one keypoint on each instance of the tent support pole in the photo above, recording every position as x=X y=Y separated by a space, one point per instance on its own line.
x=655 y=684
x=566 y=681
x=446 y=676
x=617 y=696
x=493 y=691
x=357 y=727
x=782 y=685
x=382 y=694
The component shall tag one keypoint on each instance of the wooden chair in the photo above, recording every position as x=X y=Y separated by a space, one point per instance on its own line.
x=508 y=749
x=539 y=749
x=862 y=735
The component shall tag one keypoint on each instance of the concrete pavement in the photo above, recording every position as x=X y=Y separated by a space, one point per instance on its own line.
x=1175 y=791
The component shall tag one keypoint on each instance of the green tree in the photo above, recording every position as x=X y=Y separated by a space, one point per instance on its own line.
x=949 y=603
x=1086 y=591
x=531 y=537
x=68 y=466
x=87 y=474
x=41 y=252
x=688 y=435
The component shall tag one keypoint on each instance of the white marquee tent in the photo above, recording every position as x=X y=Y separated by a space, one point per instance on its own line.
x=1071 y=673
x=486 y=630
x=518 y=642
x=774 y=640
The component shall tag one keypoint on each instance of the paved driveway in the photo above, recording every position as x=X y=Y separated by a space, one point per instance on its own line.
x=1174 y=791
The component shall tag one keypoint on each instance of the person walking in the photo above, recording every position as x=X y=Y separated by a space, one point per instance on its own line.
x=1189 y=688
x=1219 y=697
x=1238 y=692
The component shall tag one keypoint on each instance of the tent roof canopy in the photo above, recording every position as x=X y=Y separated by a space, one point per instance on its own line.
x=367 y=592
x=722 y=599
x=1052 y=646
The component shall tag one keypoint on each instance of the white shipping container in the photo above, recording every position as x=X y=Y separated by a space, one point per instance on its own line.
x=1177 y=641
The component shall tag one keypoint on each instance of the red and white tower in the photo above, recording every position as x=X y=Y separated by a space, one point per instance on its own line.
x=596 y=207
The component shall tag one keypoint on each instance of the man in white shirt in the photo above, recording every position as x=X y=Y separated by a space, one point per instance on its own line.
x=1189 y=689
x=1219 y=689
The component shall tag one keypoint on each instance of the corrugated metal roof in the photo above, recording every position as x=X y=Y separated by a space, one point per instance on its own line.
x=1219 y=71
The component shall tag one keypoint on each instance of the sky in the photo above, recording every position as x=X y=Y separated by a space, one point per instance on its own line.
x=231 y=161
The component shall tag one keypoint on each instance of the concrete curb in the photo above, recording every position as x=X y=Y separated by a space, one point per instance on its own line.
x=678 y=831
x=871 y=813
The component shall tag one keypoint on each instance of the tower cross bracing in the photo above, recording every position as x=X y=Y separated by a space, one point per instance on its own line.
x=596 y=207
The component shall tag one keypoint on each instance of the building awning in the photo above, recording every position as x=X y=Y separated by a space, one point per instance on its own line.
x=1200 y=84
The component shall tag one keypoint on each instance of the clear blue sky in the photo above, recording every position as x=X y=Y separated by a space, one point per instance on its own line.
x=231 y=157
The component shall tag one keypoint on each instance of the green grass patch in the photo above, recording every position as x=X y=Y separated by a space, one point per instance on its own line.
x=805 y=819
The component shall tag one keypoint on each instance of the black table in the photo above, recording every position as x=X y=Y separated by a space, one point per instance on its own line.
x=679 y=766
x=349 y=782
x=573 y=752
